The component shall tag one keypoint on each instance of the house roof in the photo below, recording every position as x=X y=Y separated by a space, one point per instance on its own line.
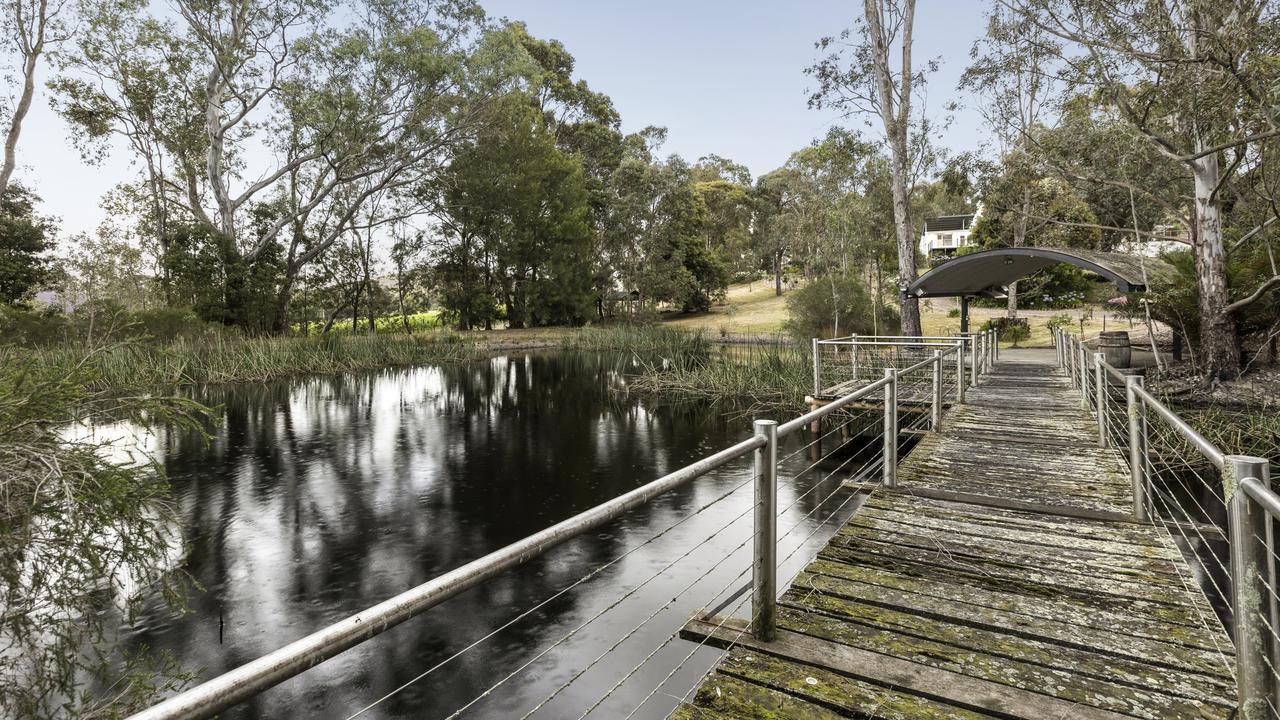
x=989 y=270
x=948 y=222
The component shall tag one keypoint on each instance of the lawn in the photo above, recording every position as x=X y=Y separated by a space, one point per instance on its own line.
x=755 y=309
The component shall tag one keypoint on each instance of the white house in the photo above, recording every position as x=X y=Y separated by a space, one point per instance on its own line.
x=943 y=235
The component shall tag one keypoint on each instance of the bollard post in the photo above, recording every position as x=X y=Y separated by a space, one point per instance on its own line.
x=1057 y=345
x=891 y=428
x=1250 y=561
x=1100 y=398
x=764 y=567
x=996 y=337
x=817 y=371
x=1137 y=448
x=960 y=372
x=937 y=390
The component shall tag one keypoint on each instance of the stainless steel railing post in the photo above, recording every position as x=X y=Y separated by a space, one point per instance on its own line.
x=853 y=355
x=937 y=390
x=891 y=428
x=960 y=372
x=764 y=568
x=1255 y=683
x=973 y=360
x=1084 y=376
x=1100 y=398
x=817 y=370
x=1137 y=448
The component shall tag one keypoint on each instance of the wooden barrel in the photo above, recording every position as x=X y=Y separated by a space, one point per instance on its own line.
x=1114 y=346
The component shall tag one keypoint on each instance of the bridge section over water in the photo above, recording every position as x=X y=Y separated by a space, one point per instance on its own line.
x=1004 y=575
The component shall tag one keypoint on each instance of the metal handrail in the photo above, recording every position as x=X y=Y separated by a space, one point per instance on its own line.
x=223 y=691
x=1246 y=481
x=791 y=426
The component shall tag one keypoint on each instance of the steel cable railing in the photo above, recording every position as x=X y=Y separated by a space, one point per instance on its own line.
x=1217 y=510
x=936 y=371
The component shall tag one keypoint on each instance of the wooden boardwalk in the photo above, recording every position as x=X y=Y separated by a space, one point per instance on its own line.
x=1001 y=579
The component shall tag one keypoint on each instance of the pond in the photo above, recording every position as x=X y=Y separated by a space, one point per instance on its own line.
x=321 y=496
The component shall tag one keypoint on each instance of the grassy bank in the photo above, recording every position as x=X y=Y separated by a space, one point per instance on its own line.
x=229 y=358
x=224 y=359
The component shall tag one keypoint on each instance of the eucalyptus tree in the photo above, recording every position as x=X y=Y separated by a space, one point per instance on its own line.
x=725 y=189
x=124 y=76
x=860 y=76
x=1192 y=79
x=305 y=111
x=1010 y=75
x=28 y=30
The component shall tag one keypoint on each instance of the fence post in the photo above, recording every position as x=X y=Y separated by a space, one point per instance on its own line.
x=960 y=372
x=1249 y=565
x=996 y=348
x=973 y=360
x=1084 y=376
x=1057 y=345
x=1100 y=398
x=817 y=371
x=937 y=390
x=853 y=356
x=891 y=428
x=764 y=567
x=1137 y=448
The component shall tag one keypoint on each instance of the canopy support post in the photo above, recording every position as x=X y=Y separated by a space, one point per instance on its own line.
x=964 y=313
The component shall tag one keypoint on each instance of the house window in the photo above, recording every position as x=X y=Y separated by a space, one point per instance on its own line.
x=944 y=238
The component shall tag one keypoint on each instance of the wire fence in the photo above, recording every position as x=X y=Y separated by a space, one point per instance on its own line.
x=843 y=364
x=1217 y=509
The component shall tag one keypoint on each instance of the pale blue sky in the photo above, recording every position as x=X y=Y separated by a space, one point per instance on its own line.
x=724 y=77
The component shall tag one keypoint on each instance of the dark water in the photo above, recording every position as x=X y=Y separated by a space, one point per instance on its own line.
x=322 y=496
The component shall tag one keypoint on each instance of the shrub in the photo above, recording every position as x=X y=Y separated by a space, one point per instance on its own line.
x=1015 y=330
x=836 y=305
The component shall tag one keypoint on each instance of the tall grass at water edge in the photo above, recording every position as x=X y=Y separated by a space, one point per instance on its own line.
x=225 y=358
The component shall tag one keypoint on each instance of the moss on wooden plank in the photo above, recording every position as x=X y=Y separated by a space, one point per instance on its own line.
x=1083 y=663
x=1069 y=686
x=1081 y=627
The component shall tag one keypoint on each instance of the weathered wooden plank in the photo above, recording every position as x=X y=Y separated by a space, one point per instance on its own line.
x=827 y=689
x=687 y=711
x=1084 y=633
x=1006 y=561
x=875 y=517
x=922 y=679
x=1046 y=579
x=1151 y=623
x=1022 y=649
x=1070 y=686
x=983 y=517
x=1156 y=570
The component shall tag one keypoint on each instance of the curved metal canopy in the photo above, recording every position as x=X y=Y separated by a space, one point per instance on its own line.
x=988 y=271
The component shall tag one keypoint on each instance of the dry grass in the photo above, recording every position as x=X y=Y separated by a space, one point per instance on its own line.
x=747 y=309
x=755 y=309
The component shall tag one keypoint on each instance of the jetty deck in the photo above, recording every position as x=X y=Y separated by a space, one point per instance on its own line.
x=1002 y=577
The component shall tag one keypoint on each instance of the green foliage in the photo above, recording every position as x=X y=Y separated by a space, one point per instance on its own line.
x=836 y=305
x=24 y=240
x=78 y=533
x=520 y=209
x=1012 y=330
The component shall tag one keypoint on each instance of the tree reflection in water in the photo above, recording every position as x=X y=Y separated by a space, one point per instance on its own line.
x=322 y=496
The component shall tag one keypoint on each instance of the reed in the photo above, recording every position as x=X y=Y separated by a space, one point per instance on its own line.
x=763 y=376
x=227 y=358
